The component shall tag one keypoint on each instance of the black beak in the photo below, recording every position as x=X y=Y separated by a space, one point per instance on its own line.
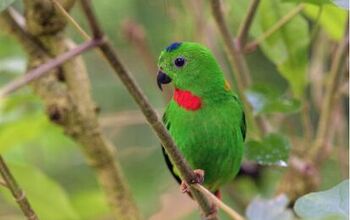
x=162 y=78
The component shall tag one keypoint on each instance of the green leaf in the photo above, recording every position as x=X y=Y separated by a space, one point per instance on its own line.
x=273 y=209
x=287 y=48
x=48 y=198
x=332 y=203
x=332 y=19
x=266 y=99
x=273 y=149
x=5 y=3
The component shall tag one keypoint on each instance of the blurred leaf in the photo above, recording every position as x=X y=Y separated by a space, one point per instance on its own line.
x=21 y=120
x=332 y=19
x=273 y=149
x=5 y=3
x=273 y=209
x=48 y=199
x=325 y=204
x=287 y=48
x=91 y=204
x=13 y=65
x=21 y=131
x=266 y=99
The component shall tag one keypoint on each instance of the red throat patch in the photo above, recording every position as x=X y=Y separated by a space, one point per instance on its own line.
x=187 y=100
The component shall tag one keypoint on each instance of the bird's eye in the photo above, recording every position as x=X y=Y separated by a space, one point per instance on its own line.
x=179 y=62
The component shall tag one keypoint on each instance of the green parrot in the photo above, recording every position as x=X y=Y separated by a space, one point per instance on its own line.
x=204 y=117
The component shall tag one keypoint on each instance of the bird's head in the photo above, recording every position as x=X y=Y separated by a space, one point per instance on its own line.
x=190 y=66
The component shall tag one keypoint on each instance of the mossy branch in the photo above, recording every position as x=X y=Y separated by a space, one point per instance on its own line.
x=67 y=104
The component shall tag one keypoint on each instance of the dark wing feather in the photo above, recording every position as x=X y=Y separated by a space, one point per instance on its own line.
x=166 y=157
x=243 y=126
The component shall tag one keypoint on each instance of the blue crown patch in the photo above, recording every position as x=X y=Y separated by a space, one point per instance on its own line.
x=173 y=46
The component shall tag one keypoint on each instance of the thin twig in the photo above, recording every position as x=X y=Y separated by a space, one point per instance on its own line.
x=232 y=213
x=16 y=191
x=184 y=169
x=46 y=67
x=330 y=92
x=241 y=71
x=246 y=24
x=95 y=27
x=71 y=20
x=308 y=128
x=280 y=23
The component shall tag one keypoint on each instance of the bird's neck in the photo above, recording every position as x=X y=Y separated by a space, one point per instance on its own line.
x=187 y=100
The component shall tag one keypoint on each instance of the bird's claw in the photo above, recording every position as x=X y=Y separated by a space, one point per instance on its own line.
x=199 y=178
x=184 y=187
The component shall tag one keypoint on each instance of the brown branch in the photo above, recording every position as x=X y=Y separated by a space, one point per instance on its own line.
x=232 y=213
x=71 y=20
x=16 y=191
x=46 y=67
x=242 y=36
x=239 y=65
x=184 y=169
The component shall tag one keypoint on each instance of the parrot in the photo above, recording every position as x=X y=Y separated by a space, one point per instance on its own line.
x=204 y=117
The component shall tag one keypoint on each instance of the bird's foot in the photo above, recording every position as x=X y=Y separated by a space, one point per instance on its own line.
x=184 y=187
x=199 y=178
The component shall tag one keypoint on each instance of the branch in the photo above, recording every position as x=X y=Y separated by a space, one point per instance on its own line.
x=232 y=213
x=71 y=20
x=16 y=191
x=46 y=67
x=246 y=24
x=283 y=21
x=239 y=65
x=184 y=169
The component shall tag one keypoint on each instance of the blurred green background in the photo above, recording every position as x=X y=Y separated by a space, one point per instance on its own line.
x=51 y=168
